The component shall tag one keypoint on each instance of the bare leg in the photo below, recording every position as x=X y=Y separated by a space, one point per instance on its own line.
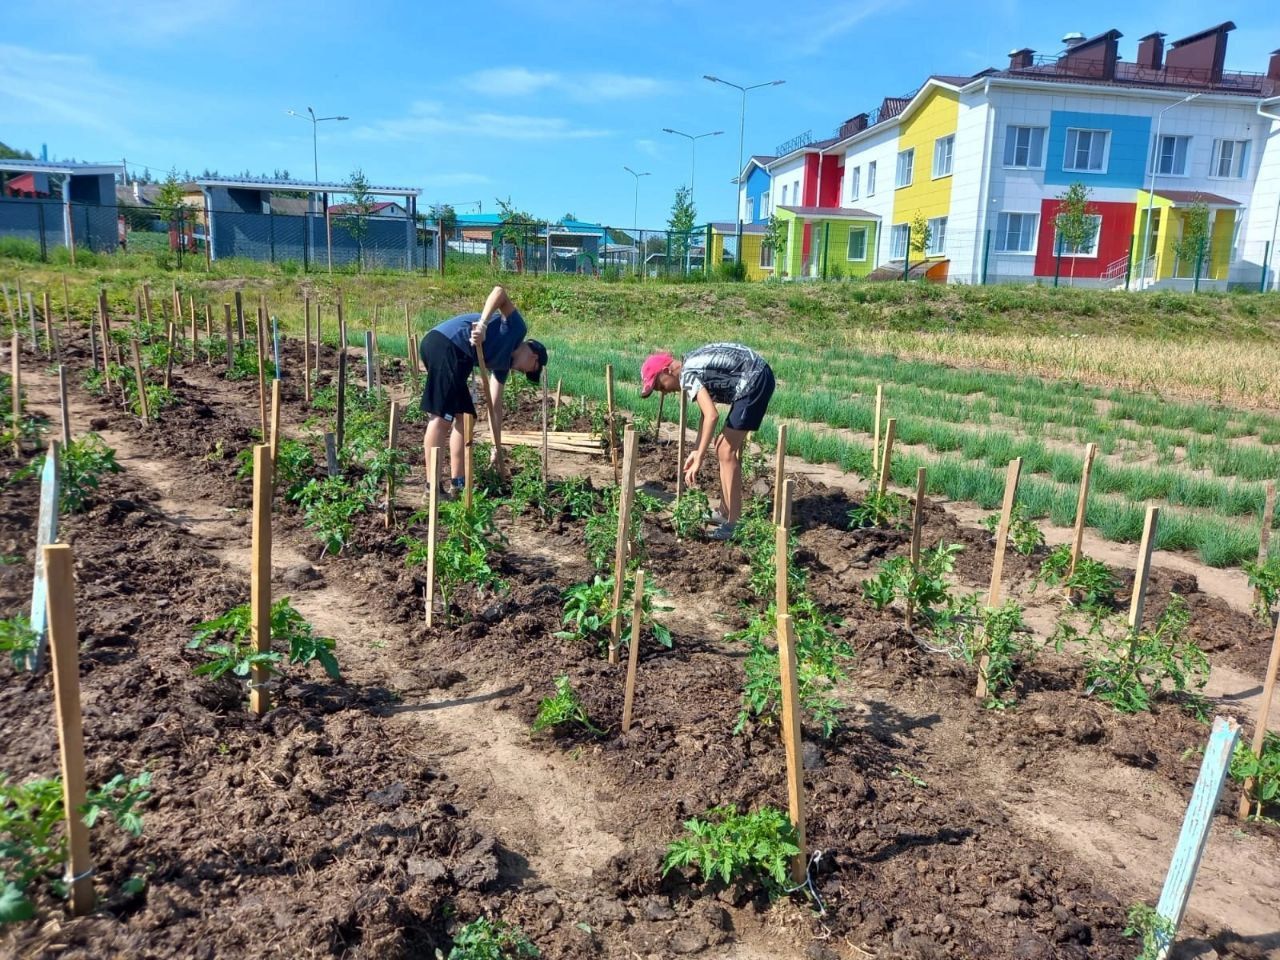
x=434 y=437
x=729 y=453
x=457 y=449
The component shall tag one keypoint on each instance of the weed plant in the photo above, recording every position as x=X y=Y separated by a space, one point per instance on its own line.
x=562 y=709
x=485 y=939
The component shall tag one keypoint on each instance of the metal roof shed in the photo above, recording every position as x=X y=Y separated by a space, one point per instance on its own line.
x=82 y=208
x=240 y=215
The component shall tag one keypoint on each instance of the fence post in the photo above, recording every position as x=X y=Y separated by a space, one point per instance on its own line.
x=44 y=247
x=1057 y=263
x=986 y=256
x=260 y=575
x=906 y=257
x=1128 y=265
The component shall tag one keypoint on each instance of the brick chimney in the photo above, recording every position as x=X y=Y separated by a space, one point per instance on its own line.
x=853 y=125
x=1273 y=68
x=1151 y=52
x=1201 y=56
x=1094 y=58
x=1021 y=59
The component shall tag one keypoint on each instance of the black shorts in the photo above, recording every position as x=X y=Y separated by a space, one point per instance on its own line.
x=446 y=393
x=747 y=412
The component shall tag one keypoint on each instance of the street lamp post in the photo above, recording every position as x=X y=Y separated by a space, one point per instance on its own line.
x=742 y=125
x=315 y=153
x=1151 y=194
x=693 y=151
x=635 y=214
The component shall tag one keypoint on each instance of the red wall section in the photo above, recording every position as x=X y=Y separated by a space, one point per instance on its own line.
x=1114 y=238
x=832 y=170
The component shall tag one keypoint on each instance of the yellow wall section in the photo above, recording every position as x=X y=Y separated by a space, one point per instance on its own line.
x=936 y=117
x=751 y=248
x=1220 y=235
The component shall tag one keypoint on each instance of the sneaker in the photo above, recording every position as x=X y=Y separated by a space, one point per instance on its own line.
x=718 y=518
x=722 y=532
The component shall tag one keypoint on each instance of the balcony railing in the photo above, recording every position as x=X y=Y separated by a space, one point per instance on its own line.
x=1078 y=68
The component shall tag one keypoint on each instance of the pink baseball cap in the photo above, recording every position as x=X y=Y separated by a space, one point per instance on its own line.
x=649 y=370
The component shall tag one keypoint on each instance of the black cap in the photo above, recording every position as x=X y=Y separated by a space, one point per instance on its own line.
x=540 y=352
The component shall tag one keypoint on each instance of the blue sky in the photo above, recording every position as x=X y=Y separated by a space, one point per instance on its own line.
x=544 y=102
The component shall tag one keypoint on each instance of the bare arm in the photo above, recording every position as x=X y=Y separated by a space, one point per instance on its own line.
x=710 y=416
x=495 y=412
x=497 y=300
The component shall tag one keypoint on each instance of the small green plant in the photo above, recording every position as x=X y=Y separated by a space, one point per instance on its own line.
x=82 y=464
x=1155 y=931
x=563 y=708
x=578 y=497
x=997 y=633
x=726 y=845
x=924 y=588
x=1129 y=668
x=756 y=534
x=18 y=640
x=32 y=848
x=1263 y=770
x=589 y=612
x=244 y=366
x=907 y=775
x=462 y=555
x=1024 y=534
x=888 y=510
x=485 y=939
x=1092 y=583
x=293 y=467
x=234 y=653
x=329 y=505
x=1264 y=578
x=601 y=533
x=691 y=514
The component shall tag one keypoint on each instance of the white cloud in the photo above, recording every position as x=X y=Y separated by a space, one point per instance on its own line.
x=584 y=87
x=836 y=22
x=648 y=147
x=428 y=119
x=41 y=88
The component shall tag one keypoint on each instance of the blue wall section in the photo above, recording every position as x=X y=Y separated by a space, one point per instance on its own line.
x=757 y=185
x=1130 y=141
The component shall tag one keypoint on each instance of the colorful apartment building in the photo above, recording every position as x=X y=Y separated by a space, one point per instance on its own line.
x=981 y=161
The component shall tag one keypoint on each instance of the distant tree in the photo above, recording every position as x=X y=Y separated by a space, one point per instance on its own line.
x=356 y=219
x=567 y=217
x=515 y=225
x=921 y=235
x=775 y=239
x=445 y=215
x=1191 y=246
x=9 y=153
x=1075 y=224
x=683 y=216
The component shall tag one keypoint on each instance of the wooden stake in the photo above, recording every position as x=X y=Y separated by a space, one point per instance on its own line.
x=890 y=429
x=306 y=350
x=613 y=432
x=146 y=301
x=1143 y=572
x=262 y=382
x=997 y=563
x=260 y=575
x=331 y=454
x=15 y=402
x=226 y=317
x=633 y=655
x=66 y=303
x=66 y=408
x=342 y=322
x=622 y=544
x=468 y=458
x=410 y=354
x=782 y=553
x=240 y=332
x=103 y=314
x=779 y=472
x=1264 y=714
x=170 y=336
x=275 y=419
x=1195 y=830
x=65 y=643
x=208 y=336
x=46 y=535
x=875 y=443
x=917 y=522
x=195 y=334
x=684 y=414
x=433 y=506
x=792 y=732
x=657 y=426
x=393 y=434
x=340 y=429
x=177 y=303
x=369 y=361
x=1264 y=534
x=93 y=345
x=8 y=305
x=48 y=325
x=143 y=406
x=1077 y=536
x=31 y=318
x=559 y=385
x=319 y=339
x=546 y=457
x=488 y=404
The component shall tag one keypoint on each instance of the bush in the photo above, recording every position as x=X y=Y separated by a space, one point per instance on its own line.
x=727 y=845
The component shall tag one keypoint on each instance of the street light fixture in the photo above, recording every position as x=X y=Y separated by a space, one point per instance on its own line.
x=1151 y=194
x=742 y=123
x=693 y=151
x=635 y=214
x=315 y=156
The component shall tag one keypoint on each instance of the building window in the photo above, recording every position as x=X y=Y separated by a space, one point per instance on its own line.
x=784 y=194
x=1087 y=249
x=749 y=215
x=858 y=243
x=1086 y=151
x=855 y=183
x=1169 y=159
x=906 y=168
x=1230 y=159
x=937 y=237
x=1024 y=147
x=795 y=194
x=943 y=148
x=898 y=237
x=871 y=179
x=1016 y=232
x=764 y=206
x=766 y=256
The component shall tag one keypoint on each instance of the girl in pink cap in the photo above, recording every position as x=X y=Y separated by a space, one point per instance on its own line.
x=717 y=373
